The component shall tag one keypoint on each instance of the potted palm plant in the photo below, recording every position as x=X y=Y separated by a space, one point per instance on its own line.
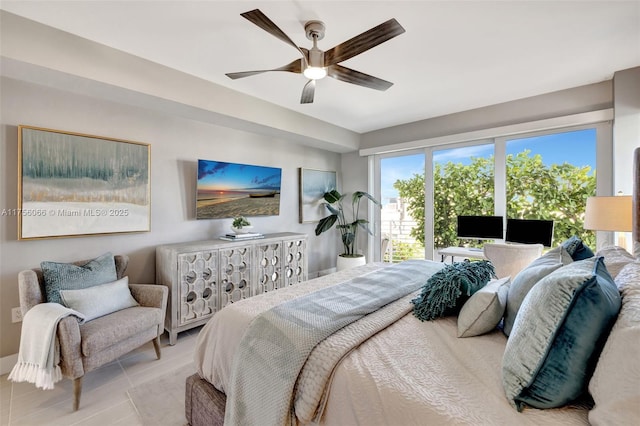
x=348 y=227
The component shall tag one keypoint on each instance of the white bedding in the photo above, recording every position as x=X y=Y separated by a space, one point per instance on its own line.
x=410 y=373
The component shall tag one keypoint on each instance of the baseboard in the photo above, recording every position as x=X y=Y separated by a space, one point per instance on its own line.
x=7 y=363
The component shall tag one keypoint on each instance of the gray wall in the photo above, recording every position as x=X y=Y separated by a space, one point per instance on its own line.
x=626 y=129
x=176 y=144
x=576 y=100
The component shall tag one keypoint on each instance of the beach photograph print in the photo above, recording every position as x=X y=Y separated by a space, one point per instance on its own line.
x=226 y=190
x=313 y=185
x=73 y=184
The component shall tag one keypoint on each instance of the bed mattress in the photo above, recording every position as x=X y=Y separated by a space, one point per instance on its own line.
x=410 y=373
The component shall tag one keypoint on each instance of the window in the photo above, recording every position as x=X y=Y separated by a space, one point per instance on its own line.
x=463 y=184
x=549 y=177
x=402 y=218
x=544 y=175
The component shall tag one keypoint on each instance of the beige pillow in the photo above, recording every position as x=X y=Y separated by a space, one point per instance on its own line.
x=615 y=384
x=483 y=311
x=615 y=258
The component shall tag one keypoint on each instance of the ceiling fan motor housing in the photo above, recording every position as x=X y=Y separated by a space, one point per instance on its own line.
x=315 y=32
x=314 y=29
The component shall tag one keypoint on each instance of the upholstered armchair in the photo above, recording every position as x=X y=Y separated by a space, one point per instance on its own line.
x=85 y=347
x=509 y=259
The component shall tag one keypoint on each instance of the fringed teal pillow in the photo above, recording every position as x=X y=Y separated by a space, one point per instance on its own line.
x=447 y=290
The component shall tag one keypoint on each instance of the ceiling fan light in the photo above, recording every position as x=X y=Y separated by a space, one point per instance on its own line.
x=315 y=73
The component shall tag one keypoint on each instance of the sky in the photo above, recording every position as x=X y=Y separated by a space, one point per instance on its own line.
x=217 y=175
x=576 y=147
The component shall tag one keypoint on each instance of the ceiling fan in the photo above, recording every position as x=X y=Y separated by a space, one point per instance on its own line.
x=316 y=64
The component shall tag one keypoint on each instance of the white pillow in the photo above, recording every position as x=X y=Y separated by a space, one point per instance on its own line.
x=615 y=384
x=483 y=311
x=100 y=300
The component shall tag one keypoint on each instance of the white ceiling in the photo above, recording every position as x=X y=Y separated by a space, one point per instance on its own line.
x=454 y=56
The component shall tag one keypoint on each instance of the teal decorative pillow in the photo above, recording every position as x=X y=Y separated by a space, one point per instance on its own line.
x=99 y=300
x=67 y=276
x=577 y=248
x=528 y=277
x=448 y=289
x=558 y=334
x=483 y=311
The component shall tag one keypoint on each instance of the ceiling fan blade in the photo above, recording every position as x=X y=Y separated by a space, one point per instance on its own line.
x=260 y=19
x=308 y=92
x=363 y=42
x=356 y=77
x=295 y=66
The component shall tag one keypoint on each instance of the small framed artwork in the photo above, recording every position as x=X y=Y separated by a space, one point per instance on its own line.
x=313 y=185
x=73 y=184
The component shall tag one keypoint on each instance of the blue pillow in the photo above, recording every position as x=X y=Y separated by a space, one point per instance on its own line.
x=524 y=281
x=558 y=335
x=447 y=290
x=68 y=276
x=577 y=248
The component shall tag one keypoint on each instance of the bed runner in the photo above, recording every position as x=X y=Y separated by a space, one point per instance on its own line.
x=278 y=342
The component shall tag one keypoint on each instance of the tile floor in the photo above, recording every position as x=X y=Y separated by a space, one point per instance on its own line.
x=104 y=392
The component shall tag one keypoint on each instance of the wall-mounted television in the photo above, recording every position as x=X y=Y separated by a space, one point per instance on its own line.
x=480 y=227
x=530 y=231
x=225 y=190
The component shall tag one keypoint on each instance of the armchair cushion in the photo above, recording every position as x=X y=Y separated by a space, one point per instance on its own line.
x=99 y=300
x=68 y=276
x=108 y=330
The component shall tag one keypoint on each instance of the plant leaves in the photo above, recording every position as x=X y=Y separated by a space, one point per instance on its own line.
x=326 y=223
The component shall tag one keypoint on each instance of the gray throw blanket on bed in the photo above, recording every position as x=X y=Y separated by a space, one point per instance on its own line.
x=277 y=343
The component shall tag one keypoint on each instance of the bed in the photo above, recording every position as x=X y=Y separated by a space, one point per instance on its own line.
x=406 y=372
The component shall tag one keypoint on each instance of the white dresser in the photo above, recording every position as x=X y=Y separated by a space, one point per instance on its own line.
x=205 y=276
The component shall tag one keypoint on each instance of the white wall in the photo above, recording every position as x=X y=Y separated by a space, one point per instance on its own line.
x=176 y=144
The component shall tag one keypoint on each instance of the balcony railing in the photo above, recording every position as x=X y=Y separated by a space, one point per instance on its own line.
x=402 y=246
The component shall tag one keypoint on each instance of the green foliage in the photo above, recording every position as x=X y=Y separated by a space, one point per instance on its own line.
x=534 y=191
x=558 y=192
x=402 y=250
x=348 y=228
x=240 y=221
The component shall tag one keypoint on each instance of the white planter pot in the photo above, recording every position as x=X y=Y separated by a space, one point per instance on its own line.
x=350 y=262
x=244 y=230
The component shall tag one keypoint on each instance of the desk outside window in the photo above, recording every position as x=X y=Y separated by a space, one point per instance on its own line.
x=467 y=253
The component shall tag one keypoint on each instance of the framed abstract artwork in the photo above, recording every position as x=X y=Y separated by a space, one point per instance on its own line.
x=73 y=184
x=313 y=185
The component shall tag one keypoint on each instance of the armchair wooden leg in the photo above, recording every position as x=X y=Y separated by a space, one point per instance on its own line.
x=156 y=346
x=77 y=390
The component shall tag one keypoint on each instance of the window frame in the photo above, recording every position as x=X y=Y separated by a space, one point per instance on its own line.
x=604 y=175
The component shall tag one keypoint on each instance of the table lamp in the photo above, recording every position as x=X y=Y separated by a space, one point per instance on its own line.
x=609 y=214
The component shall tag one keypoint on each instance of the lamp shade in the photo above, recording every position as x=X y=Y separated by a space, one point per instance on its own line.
x=608 y=213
